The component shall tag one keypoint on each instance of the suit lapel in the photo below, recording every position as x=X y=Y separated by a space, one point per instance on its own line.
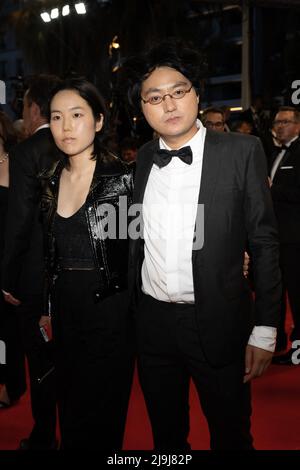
x=144 y=165
x=289 y=152
x=209 y=176
x=210 y=170
x=143 y=168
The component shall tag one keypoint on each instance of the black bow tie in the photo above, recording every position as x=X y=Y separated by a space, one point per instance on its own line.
x=162 y=157
x=280 y=148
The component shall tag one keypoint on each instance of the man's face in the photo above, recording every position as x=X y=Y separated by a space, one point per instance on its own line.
x=173 y=119
x=285 y=126
x=214 y=121
x=245 y=128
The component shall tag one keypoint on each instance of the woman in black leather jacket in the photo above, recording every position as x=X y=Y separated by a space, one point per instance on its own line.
x=84 y=209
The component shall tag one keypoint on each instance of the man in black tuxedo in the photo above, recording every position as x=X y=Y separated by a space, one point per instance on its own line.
x=23 y=265
x=285 y=189
x=195 y=314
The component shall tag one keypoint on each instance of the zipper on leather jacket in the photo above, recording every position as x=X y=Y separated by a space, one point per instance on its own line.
x=41 y=379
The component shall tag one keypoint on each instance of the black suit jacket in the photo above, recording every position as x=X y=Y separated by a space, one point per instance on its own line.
x=237 y=209
x=286 y=194
x=23 y=263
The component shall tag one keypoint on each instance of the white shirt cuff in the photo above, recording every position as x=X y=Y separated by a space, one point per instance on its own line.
x=263 y=337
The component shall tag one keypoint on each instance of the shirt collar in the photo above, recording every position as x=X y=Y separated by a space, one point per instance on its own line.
x=43 y=126
x=291 y=141
x=196 y=142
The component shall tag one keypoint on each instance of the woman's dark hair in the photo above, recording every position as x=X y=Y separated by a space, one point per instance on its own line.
x=93 y=97
x=170 y=53
x=7 y=132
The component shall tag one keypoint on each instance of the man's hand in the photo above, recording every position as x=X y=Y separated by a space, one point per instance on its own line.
x=257 y=360
x=10 y=299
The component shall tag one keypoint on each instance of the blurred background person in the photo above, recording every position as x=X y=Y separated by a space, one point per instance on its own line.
x=227 y=117
x=285 y=190
x=129 y=149
x=214 y=119
x=243 y=127
x=256 y=116
x=23 y=263
x=20 y=130
x=12 y=374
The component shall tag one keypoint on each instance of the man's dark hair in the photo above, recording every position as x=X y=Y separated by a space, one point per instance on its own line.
x=214 y=110
x=292 y=109
x=129 y=143
x=170 y=53
x=39 y=90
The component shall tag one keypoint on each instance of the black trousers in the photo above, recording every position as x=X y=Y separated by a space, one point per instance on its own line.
x=42 y=377
x=289 y=263
x=94 y=363
x=169 y=355
x=12 y=374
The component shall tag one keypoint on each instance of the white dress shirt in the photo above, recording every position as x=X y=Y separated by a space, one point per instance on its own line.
x=279 y=158
x=169 y=213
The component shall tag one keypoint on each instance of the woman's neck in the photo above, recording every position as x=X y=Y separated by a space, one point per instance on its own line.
x=81 y=164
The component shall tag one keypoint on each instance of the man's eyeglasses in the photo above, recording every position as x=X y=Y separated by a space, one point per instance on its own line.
x=176 y=95
x=217 y=125
x=283 y=122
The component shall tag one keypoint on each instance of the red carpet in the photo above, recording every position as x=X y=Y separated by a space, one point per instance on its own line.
x=275 y=419
x=275 y=423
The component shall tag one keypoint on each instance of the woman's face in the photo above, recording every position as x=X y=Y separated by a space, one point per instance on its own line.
x=73 y=124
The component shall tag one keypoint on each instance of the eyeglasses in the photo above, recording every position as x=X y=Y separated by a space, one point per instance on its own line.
x=283 y=122
x=176 y=95
x=211 y=125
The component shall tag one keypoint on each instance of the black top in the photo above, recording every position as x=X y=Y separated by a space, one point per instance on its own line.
x=73 y=241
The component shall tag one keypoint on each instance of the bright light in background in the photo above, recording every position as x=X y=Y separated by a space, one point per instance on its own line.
x=80 y=8
x=115 y=44
x=65 y=10
x=45 y=17
x=54 y=13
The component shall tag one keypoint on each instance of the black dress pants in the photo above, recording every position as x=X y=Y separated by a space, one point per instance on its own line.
x=169 y=355
x=94 y=363
x=41 y=373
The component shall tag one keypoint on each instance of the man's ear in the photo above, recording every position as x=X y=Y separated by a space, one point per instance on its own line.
x=99 y=123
